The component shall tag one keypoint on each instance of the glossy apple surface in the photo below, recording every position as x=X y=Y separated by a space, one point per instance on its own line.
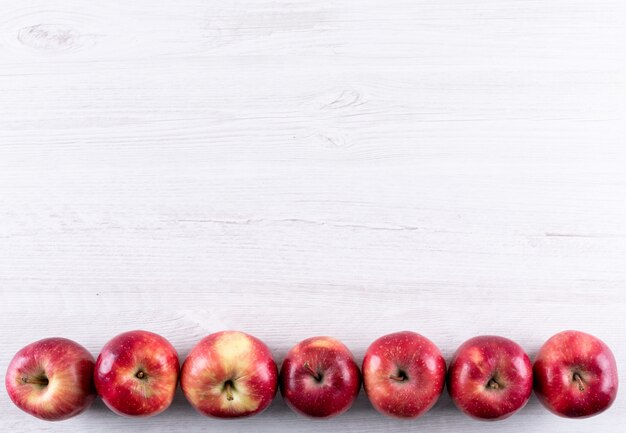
x=51 y=379
x=404 y=374
x=490 y=377
x=319 y=377
x=136 y=373
x=575 y=375
x=229 y=374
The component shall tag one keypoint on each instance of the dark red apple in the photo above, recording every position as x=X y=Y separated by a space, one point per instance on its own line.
x=575 y=375
x=229 y=374
x=136 y=373
x=490 y=377
x=51 y=379
x=319 y=378
x=403 y=374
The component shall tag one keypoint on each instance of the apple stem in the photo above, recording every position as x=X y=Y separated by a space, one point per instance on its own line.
x=313 y=373
x=229 y=391
x=579 y=379
x=43 y=381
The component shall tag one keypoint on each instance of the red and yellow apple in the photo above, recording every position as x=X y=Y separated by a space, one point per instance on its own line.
x=490 y=377
x=319 y=378
x=404 y=374
x=229 y=374
x=575 y=375
x=136 y=373
x=51 y=379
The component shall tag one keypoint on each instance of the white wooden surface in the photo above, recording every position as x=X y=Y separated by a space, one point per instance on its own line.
x=294 y=168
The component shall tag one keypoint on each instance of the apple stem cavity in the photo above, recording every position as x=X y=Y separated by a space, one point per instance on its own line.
x=399 y=377
x=140 y=374
x=39 y=380
x=493 y=384
x=579 y=380
x=316 y=375
x=228 y=387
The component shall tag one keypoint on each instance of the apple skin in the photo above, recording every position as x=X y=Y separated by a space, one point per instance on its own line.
x=575 y=375
x=490 y=378
x=136 y=374
x=404 y=374
x=229 y=374
x=68 y=369
x=319 y=378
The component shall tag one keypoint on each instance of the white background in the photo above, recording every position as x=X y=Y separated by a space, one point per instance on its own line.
x=296 y=168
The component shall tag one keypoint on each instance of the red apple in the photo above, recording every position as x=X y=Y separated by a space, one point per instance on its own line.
x=229 y=374
x=490 y=378
x=319 y=378
x=51 y=379
x=575 y=375
x=403 y=374
x=136 y=373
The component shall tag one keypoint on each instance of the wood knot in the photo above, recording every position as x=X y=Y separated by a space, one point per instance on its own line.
x=334 y=140
x=345 y=99
x=47 y=37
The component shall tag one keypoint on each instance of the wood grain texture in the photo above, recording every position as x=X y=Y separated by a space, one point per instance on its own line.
x=294 y=168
